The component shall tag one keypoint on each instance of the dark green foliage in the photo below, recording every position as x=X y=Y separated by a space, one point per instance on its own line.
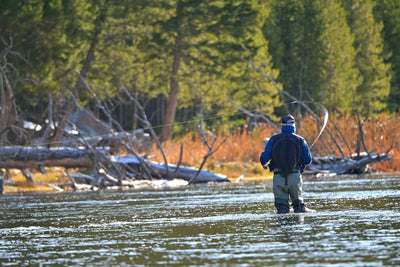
x=311 y=45
x=315 y=49
x=372 y=93
x=388 y=11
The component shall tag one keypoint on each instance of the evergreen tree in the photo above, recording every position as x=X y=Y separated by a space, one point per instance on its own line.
x=388 y=11
x=294 y=31
x=372 y=94
x=200 y=44
x=339 y=71
x=236 y=78
x=50 y=36
x=311 y=45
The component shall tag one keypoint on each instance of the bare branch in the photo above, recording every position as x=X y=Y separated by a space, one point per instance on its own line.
x=70 y=178
x=342 y=136
x=143 y=118
x=302 y=103
x=360 y=136
x=94 y=152
x=111 y=119
x=256 y=116
x=210 y=148
x=179 y=163
x=49 y=124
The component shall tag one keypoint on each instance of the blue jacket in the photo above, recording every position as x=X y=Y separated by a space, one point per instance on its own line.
x=287 y=131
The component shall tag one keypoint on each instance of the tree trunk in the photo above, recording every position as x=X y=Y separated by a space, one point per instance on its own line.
x=180 y=172
x=85 y=68
x=5 y=105
x=33 y=157
x=36 y=158
x=174 y=90
x=355 y=164
x=8 y=114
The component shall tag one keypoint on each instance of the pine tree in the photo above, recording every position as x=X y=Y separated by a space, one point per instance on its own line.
x=372 y=94
x=388 y=11
x=50 y=36
x=200 y=43
x=293 y=31
x=339 y=71
x=311 y=45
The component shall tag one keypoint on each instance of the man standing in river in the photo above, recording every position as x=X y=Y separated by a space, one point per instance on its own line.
x=287 y=154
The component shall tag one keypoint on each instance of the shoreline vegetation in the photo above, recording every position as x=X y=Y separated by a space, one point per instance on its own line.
x=90 y=75
x=239 y=155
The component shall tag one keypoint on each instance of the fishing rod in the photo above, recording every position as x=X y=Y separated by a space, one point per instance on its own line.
x=326 y=117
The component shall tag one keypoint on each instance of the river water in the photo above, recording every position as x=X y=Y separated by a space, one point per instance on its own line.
x=357 y=223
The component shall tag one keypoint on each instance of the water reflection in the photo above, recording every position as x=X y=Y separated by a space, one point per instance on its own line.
x=357 y=223
x=290 y=219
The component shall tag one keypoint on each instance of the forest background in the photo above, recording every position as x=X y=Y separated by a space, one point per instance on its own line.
x=185 y=59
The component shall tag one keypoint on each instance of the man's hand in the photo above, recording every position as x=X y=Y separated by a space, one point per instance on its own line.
x=265 y=166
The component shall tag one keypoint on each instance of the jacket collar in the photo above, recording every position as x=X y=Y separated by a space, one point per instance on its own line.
x=288 y=128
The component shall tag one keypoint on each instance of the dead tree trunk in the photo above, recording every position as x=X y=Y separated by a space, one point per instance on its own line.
x=356 y=164
x=37 y=157
x=8 y=108
x=85 y=68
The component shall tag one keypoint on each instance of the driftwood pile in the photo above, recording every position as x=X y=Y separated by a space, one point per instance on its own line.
x=129 y=172
x=71 y=137
x=89 y=145
x=355 y=164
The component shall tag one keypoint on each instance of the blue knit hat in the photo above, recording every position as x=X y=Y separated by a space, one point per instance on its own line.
x=288 y=119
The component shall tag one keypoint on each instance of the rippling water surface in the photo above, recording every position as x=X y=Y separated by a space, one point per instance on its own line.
x=357 y=224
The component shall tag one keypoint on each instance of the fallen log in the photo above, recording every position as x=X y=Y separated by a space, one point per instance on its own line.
x=185 y=173
x=67 y=157
x=37 y=157
x=356 y=164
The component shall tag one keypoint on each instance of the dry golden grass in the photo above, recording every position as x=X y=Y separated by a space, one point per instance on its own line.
x=237 y=155
x=240 y=153
x=20 y=184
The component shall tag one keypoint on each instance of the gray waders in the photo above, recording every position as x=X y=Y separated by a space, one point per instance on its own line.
x=283 y=188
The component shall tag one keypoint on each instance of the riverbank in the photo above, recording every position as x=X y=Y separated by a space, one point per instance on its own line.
x=239 y=154
x=41 y=182
x=55 y=181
